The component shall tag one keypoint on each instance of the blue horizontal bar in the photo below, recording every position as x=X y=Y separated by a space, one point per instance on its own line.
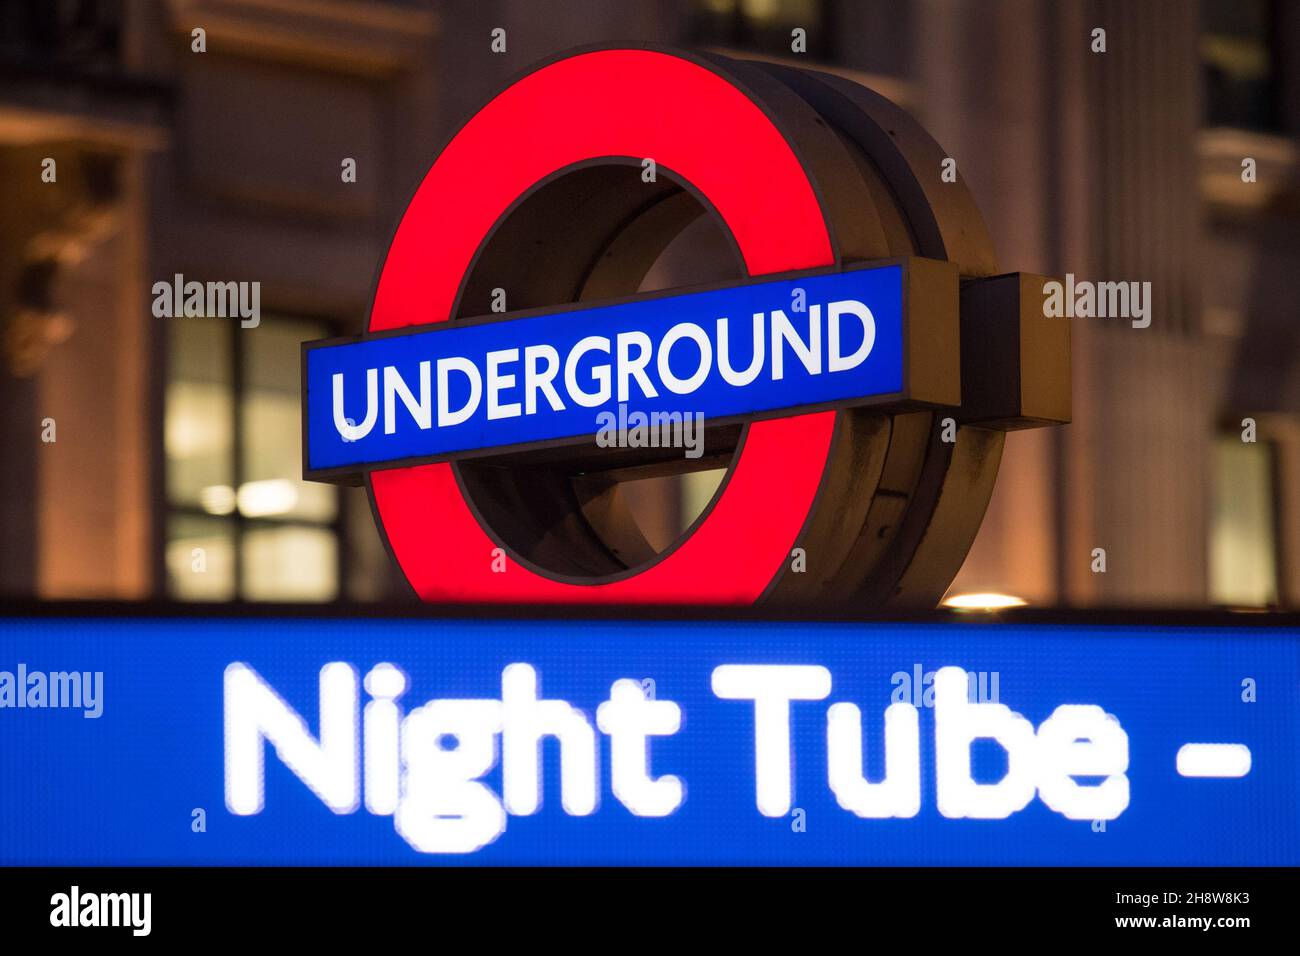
x=156 y=738
x=473 y=387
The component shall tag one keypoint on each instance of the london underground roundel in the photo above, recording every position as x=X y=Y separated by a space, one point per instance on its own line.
x=853 y=371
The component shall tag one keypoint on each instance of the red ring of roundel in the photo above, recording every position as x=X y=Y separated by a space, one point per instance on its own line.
x=608 y=103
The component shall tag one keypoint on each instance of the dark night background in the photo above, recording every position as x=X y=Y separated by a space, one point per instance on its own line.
x=174 y=434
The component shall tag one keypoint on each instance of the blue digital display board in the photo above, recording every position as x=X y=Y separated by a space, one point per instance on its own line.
x=305 y=741
x=720 y=354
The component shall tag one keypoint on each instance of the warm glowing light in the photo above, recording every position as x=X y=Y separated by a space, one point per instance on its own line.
x=983 y=602
x=217 y=499
x=275 y=496
x=255 y=499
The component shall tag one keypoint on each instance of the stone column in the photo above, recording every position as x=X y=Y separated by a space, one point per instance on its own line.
x=1084 y=162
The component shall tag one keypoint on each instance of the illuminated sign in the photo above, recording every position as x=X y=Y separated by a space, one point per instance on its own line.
x=727 y=354
x=512 y=322
x=533 y=741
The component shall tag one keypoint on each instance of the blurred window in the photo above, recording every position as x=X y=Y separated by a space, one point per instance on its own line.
x=76 y=35
x=1239 y=61
x=763 y=26
x=241 y=522
x=1243 y=548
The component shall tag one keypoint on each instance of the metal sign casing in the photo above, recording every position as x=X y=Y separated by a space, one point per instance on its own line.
x=811 y=180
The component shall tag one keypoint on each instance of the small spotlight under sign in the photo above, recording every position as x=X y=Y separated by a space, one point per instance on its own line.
x=983 y=602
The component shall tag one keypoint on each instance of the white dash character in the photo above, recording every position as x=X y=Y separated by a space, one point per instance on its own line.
x=1213 y=760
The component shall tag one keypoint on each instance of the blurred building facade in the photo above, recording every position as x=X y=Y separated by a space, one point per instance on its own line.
x=173 y=469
